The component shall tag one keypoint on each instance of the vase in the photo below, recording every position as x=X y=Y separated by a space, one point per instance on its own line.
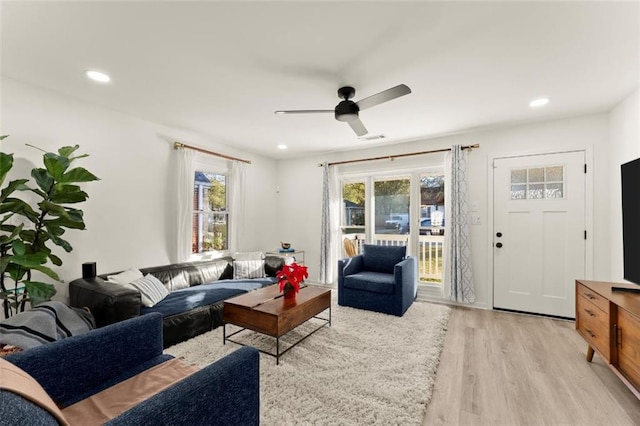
x=290 y=294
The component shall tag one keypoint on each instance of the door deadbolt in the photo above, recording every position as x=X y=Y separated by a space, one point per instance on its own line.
x=499 y=234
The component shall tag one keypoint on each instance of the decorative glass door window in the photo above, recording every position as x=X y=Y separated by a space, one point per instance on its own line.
x=537 y=183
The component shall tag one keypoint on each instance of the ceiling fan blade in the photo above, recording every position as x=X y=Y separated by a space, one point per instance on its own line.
x=304 y=111
x=384 y=96
x=358 y=127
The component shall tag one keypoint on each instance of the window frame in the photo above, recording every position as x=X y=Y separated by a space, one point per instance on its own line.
x=210 y=166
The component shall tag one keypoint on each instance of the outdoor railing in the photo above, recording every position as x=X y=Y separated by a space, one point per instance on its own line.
x=430 y=251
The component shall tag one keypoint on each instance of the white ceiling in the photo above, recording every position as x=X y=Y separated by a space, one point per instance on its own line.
x=222 y=68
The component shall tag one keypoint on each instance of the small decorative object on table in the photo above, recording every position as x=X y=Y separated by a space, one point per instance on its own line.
x=286 y=248
x=290 y=277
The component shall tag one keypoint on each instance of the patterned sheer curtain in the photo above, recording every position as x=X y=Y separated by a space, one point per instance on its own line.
x=329 y=239
x=236 y=203
x=185 y=178
x=458 y=271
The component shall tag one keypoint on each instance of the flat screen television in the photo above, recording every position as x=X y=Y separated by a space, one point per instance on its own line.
x=631 y=222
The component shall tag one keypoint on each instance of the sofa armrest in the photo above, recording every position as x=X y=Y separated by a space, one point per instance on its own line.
x=405 y=276
x=109 y=303
x=348 y=266
x=225 y=392
x=70 y=368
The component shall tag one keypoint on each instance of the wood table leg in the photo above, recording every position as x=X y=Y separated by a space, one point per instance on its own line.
x=589 y=353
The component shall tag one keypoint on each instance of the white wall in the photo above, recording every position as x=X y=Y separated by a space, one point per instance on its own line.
x=624 y=136
x=131 y=212
x=300 y=183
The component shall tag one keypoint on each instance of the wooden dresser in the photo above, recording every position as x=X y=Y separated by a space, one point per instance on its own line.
x=610 y=323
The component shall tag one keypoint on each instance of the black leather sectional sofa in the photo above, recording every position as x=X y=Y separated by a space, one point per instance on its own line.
x=193 y=306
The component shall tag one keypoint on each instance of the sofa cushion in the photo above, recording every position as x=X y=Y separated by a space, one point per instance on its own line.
x=374 y=282
x=125 y=277
x=248 y=269
x=184 y=300
x=212 y=271
x=383 y=258
x=151 y=290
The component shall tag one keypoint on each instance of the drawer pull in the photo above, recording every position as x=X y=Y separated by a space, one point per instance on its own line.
x=590 y=296
x=590 y=333
x=590 y=312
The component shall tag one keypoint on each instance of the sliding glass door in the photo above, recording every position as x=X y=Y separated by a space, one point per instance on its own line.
x=405 y=210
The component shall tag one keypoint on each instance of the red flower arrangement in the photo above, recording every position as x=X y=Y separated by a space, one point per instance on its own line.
x=290 y=277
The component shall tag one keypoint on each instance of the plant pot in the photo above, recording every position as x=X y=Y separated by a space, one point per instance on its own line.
x=290 y=295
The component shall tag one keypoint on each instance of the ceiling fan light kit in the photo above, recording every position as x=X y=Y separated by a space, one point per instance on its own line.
x=348 y=111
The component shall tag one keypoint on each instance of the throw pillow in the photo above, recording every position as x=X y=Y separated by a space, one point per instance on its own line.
x=243 y=269
x=151 y=290
x=382 y=258
x=212 y=272
x=125 y=277
x=249 y=255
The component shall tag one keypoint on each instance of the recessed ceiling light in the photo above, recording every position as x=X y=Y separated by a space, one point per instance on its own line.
x=98 y=76
x=282 y=146
x=538 y=102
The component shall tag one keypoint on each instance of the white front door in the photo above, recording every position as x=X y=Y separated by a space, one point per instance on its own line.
x=539 y=232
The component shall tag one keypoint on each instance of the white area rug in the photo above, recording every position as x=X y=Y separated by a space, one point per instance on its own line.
x=367 y=368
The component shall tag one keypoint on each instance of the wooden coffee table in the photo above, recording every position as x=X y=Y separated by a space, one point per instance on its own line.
x=266 y=311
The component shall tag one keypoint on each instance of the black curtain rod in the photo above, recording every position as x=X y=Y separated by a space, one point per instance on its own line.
x=393 y=157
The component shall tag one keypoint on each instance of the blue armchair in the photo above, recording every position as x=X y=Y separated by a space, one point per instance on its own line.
x=70 y=370
x=380 y=279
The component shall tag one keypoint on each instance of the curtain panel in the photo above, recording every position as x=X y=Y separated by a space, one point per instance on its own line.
x=458 y=269
x=330 y=228
x=236 y=204
x=185 y=181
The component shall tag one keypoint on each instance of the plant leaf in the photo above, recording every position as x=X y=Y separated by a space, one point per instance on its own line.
x=16 y=205
x=6 y=163
x=62 y=243
x=29 y=260
x=64 y=222
x=56 y=165
x=79 y=174
x=39 y=292
x=53 y=209
x=19 y=249
x=66 y=151
x=18 y=184
x=4 y=262
x=5 y=239
x=43 y=178
x=55 y=259
x=67 y=194
x=47 y=271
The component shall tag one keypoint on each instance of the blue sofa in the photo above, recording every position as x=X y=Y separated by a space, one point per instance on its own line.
x=197 y=291
x=381 y=279
x=70 y=370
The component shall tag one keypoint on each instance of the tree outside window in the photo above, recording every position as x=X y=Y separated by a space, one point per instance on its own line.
x=353 y=197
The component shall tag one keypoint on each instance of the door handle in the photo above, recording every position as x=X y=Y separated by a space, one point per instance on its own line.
x=498 y=245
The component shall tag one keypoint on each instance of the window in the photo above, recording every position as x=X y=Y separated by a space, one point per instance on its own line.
x=210 y=213
x=537 y=183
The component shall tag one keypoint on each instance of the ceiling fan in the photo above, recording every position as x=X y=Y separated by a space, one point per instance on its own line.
x=347 y=110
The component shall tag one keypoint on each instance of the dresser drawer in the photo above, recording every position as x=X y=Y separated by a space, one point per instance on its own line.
x=629 y=346
x=593 y=325
x=593 y=297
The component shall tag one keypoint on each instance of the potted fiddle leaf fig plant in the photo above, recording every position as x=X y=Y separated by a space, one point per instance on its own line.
x=29 y=232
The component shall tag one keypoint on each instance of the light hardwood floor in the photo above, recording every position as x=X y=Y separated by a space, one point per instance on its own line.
x=508 y=369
